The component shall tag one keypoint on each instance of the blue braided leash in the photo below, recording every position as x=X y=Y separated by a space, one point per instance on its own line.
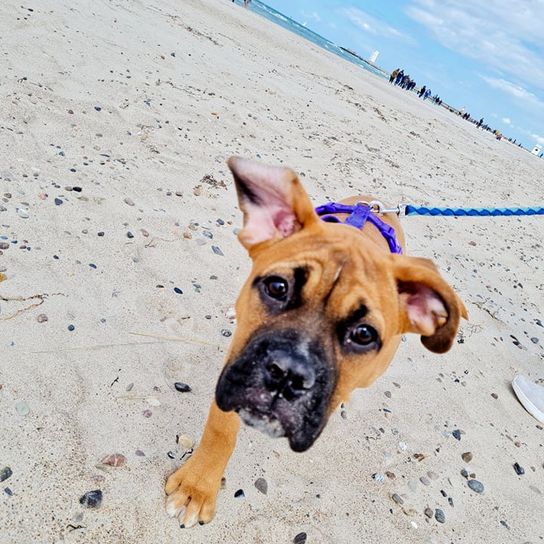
x=410 y=209
x=362 y=212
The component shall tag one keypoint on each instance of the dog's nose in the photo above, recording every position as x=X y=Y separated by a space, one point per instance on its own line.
x=289 y=375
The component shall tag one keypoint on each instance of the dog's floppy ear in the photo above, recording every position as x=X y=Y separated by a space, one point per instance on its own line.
x=272 y=199
x=428 y=305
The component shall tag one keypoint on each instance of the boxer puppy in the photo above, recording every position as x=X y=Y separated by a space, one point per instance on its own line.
x=321 y=314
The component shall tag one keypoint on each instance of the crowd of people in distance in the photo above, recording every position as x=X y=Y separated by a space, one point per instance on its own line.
x=398 y=77
x=484 y=126
x=404 y=81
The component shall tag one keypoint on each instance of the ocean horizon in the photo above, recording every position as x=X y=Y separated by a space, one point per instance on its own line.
x=286 y=22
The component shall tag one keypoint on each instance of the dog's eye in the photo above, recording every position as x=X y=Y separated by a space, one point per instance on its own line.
x=362 y=335
x=276 y=287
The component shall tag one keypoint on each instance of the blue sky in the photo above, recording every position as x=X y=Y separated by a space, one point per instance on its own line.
x=485 y=55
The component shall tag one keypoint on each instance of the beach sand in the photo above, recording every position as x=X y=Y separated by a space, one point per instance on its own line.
x=138 y=104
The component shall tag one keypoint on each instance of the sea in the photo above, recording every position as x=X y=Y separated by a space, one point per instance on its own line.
x=290 y=24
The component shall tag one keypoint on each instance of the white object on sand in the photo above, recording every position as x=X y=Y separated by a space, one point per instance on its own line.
x=531 y=396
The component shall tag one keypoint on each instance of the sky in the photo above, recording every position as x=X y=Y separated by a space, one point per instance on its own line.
x=484 y=55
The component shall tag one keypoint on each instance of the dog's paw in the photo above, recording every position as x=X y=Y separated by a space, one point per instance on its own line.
x=192 y=493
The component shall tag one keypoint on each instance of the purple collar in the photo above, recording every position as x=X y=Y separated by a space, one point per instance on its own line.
x=358 y=216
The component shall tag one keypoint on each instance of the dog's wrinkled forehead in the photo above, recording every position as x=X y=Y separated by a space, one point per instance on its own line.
x=333 y=271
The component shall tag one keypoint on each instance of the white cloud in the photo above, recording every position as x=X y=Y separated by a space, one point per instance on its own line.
x=515 y=90
x=313 y=16
x=539 y=139
x=371 y=25
x=507 y=36
x=507 y=120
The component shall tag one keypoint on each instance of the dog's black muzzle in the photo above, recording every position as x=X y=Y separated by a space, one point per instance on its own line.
x=281 y=384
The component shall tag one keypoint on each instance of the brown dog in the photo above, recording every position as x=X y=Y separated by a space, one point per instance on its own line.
x=321 y=314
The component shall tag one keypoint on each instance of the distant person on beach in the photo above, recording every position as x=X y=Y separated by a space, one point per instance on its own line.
x=427 y=94
x=422 y=91
x=399 y=77
x=480 y=123
x=394 y=75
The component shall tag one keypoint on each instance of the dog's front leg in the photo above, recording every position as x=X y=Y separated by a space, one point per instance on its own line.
x=193 y=488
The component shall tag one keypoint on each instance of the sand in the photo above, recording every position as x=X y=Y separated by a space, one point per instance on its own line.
x=140 y=102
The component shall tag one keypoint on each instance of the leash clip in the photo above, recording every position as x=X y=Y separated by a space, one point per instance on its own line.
x=379 y=207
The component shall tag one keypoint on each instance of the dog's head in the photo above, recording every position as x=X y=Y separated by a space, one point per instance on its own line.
x=321 y=312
